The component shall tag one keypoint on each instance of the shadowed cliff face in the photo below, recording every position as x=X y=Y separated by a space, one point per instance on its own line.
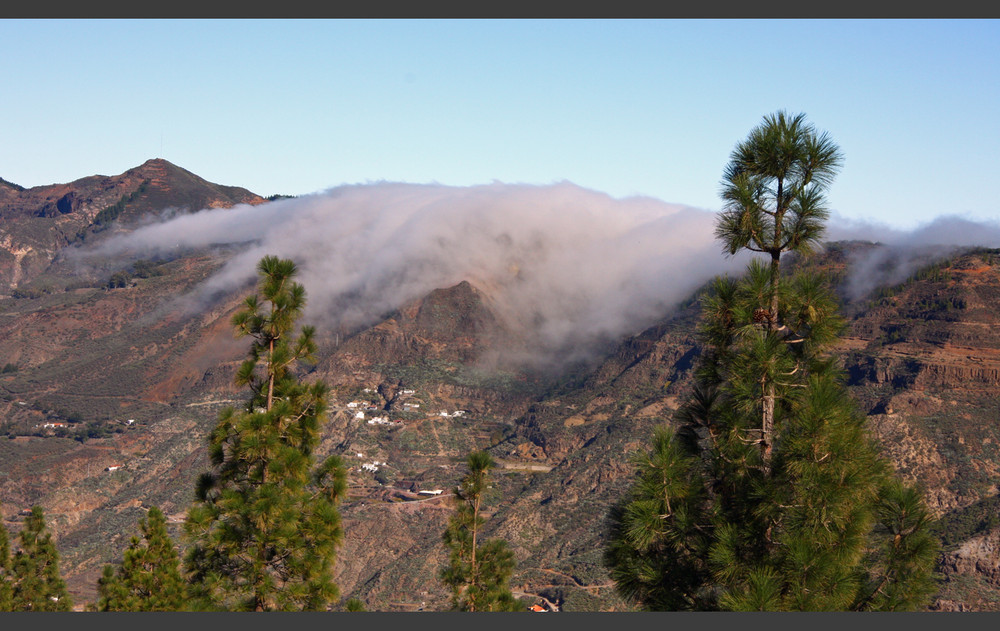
x=450 y=324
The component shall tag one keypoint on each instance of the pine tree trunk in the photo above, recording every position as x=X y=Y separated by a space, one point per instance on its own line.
x=474 y=576
x=270 y=374
x=767 y=427
x=767 y=417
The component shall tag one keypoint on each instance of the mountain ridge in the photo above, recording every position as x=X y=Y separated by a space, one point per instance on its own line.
x=920 y=359
x=42 y=220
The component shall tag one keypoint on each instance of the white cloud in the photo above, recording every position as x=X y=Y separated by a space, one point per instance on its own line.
x=566 y=266
x=906 y=251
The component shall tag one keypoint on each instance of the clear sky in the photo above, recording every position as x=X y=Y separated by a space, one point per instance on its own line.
x=625 y=107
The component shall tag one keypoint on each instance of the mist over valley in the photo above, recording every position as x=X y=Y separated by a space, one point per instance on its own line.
x=562 y=323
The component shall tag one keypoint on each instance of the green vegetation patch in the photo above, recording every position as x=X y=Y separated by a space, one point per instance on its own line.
x=962 y=524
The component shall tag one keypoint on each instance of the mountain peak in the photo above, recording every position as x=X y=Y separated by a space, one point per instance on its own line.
x=157 y=163
x=90 y=204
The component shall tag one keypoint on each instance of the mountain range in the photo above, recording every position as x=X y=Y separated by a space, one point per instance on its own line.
x=109 y=386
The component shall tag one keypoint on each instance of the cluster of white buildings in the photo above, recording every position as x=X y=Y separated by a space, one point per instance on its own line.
x=360 y=407
x=57 y=425
x=383 y=420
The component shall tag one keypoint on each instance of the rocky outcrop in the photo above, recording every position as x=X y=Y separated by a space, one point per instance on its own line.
x=965 y=375
x=977 y=556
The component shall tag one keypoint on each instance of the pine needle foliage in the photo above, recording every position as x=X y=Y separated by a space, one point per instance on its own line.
x=478 y=572
x=774 y=194
x=265 y=528
x=657 y=552
x=354 y=604
x=771 y=495
x=6 y=578
x=148 y=578
x=37 y=584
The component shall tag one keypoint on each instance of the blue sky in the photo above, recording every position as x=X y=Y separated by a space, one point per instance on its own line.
x=625 y=107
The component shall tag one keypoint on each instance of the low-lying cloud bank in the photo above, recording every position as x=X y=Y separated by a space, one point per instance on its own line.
x=567 y=267
x=906 y=251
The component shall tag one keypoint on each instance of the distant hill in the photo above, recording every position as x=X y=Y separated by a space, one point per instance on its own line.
x=39 y=221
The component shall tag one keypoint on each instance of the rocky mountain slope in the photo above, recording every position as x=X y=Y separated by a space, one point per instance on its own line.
x=129 y=385
x=38 y=222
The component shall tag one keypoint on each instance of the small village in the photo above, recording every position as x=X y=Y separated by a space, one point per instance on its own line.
x=374 y=478
x=365 y=410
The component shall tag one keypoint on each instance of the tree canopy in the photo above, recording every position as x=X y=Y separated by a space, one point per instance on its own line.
x=6 y=578
x=148 y=578
x=766 y=492
x=773 y=191
x=37 y=584
x=478 y=572
x=265 y=527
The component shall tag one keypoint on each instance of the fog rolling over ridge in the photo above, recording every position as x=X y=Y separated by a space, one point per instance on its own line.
x=566 y=268
x=906 y=251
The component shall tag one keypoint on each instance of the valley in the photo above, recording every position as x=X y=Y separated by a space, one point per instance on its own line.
x=922 y=360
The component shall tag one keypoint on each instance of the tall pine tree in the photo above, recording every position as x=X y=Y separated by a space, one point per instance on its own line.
x=771 y=496
x=478 y=572
x=6 y=579
x=265 y=527
x=773 y=189
x=148 y=578
x=37 y=584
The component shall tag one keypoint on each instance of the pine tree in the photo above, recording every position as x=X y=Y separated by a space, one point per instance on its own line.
x=478 y=572
x=6 y=579
x=773 y=189
x=148 y=578
x=354 y=604
x=771 y=495
x=37 y=584
x=265 y=527
x=656 y=550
